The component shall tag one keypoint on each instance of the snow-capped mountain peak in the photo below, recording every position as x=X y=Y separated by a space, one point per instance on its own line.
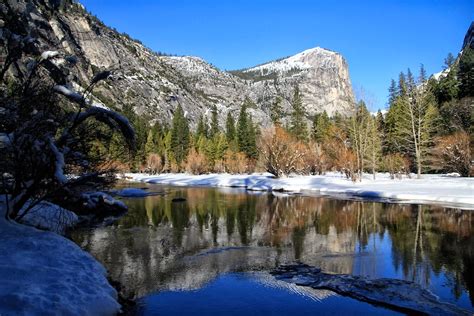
x=301 y=61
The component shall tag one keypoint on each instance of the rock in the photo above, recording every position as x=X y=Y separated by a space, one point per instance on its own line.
x=399 y=295
x=154 y=85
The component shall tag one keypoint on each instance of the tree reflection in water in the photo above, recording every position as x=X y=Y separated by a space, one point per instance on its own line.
x=160 y=244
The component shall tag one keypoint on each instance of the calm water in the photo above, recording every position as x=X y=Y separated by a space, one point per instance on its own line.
x=210 y=254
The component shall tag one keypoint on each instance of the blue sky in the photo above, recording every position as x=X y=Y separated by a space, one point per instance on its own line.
x=378 y=38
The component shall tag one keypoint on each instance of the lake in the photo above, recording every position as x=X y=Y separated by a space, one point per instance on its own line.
x=209 y=251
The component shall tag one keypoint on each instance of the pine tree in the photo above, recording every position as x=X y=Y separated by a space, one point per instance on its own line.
x=276 y=111
x=321 y=125
x=448 y=87
x=466 y=73
x=230 y=128
x=380 y=122
x=449 y=61
x=402 y=84
x=180 y=139
x=201 y=129
x=158 y=132
x=214 y=122
x=392 y=92
x=422 y=77
x=242 y=128
x=246 y=132
x=411 y=85
x=374 y=152
x=252 y=151
x=150 y=146
x=298 y=126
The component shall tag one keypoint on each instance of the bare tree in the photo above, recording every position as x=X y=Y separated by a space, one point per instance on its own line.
x=415 y=126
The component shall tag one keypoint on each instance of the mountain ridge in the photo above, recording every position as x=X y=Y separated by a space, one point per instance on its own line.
x=154 y=84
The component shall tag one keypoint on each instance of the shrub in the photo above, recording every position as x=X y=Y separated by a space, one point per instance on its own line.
x=154 y=163
x=196 y=163
x=236 y=162
x=452 y=153
x=280 y=153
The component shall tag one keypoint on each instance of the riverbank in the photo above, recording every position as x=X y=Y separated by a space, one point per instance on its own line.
x=44 y=273
x=430 y=189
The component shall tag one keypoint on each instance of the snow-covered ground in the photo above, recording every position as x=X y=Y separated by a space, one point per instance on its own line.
x=437 y=189
x=42 y=273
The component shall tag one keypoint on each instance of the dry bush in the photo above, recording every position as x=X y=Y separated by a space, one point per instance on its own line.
x=219 y=166
x=174 y=167
x=196 y=163
x=236 y=162
x=154 y=163
x=339 y=156
x=396 y=165
x=315 y=159
x=114 y=165
x=280 y=153
x=452 y=153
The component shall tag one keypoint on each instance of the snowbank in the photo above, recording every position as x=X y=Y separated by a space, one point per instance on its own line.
x=42 y=273
x=452 y=191
x=50 y=217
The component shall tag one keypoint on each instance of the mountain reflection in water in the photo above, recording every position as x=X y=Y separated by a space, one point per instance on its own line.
x=164 y=245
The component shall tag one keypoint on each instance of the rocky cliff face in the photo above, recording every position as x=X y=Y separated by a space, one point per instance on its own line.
x=154 y=85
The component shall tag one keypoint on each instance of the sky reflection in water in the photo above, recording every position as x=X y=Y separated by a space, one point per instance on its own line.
x=162 y=246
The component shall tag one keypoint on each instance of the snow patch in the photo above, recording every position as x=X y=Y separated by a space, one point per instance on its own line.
x=50 y=217
x=438 y=189
x=42 y=273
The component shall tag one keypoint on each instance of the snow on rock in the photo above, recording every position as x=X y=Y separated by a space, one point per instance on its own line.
x=49 y=54
x=42 y=273
x=50 y=217
x=439 y=189
x=300 y=61
x=94 y=198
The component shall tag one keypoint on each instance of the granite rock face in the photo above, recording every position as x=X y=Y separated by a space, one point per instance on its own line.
x=153 y=85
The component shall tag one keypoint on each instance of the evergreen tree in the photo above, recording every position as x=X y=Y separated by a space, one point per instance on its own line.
x=402 y=84
x=392 y=92
x=201 y=129
x=180 y=139
x=321 y=125
x=466 y=73
x=252 y=151
x=447 y=88
x=422 y=77
x=374 y=150
x=150 y=146
x=449 y=61
x=214 y=122
x=242 y=128
x=380 y=122
x=410 y=82
x=298 y=126
x=158 y=132
x=276 y=111
x=246 y=133
x=230 y=128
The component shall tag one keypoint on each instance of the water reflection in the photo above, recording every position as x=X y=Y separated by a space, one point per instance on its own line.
x=162 y=245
